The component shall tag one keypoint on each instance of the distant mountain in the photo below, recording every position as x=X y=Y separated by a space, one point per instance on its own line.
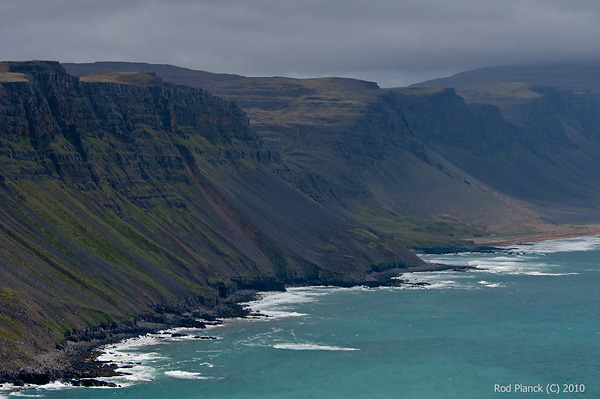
x=551 y=155
x=514 y=87
x=575 y=76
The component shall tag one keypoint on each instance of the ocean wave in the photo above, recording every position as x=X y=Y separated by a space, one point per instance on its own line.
x=530 y=260
x=277 y=314
x=28 y=390
x=564 y=245
x=491 y=285
x=437 y=280
x=54 y=386
x=136 y=342
x=187 y=375
x=510 y=267
x=311 y=347
x=120 y=356
x=276 y=304
x=548 y=274
x=135 y=365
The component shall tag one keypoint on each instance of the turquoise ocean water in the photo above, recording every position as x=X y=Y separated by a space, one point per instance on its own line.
x=527 y=319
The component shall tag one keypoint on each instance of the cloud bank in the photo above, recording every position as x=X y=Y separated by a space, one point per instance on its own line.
x=389 y=41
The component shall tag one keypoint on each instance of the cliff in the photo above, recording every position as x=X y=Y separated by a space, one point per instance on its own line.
x=121 y=193
x=550 y=157
x=373 y=155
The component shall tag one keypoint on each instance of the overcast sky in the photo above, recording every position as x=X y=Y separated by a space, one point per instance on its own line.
x=392 y=42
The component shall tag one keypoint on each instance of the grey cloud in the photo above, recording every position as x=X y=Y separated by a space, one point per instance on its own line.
x=393 y=42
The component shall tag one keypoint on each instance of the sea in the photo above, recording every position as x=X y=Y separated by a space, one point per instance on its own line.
x=524 y=323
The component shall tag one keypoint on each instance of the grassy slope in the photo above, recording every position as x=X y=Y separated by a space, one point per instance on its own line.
x=82 y=263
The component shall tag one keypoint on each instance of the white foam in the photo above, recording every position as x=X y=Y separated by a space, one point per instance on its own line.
x=564 y=245
x=437 y=280
x=134 y=364
x=188 y=333
x=527 y=260
x=123 y=348
x=277 y=304
x=488 y=284
x=8 y=388
x=513 y=266
x=277 y=314
x=548 y=274
x=29 y=390
x=312 y=347
x=187 y=375
x=54 y=386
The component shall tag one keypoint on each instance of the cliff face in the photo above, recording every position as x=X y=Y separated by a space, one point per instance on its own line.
x=123 y=192
x=553 y=111
x=506 y=140
x=421 y=164
x=550 y=139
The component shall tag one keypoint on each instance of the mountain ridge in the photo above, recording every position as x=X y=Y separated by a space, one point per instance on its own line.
x=128 y=189
x=287 y=130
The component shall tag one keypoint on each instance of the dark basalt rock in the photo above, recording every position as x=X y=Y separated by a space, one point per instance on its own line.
x=91 y=382
x=33 y=378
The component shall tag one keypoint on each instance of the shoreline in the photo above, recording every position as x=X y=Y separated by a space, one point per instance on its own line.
x=560 y=232
x=75 y=361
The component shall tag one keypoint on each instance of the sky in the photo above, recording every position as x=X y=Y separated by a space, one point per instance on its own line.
x=391 y=42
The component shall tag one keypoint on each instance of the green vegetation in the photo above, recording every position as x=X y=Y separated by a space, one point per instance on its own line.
x=12 y=77
x=131 y=78
x=416 y=232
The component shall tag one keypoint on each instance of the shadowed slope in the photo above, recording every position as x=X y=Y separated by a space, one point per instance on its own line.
x=118 y=197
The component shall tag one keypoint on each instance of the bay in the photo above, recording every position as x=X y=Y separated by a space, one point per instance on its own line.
x=527 y=317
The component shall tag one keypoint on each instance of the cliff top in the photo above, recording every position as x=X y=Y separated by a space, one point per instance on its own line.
x=28 y=67
x=17 y=71
x=129 y=78
x=12 y=77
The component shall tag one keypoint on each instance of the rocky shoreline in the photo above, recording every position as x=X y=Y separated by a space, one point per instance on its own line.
x=75 y=360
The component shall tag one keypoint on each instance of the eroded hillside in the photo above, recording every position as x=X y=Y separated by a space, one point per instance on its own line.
x=376 y=155
x=122 y=192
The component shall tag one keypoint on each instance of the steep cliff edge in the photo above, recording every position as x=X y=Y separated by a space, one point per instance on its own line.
x=122 y=192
